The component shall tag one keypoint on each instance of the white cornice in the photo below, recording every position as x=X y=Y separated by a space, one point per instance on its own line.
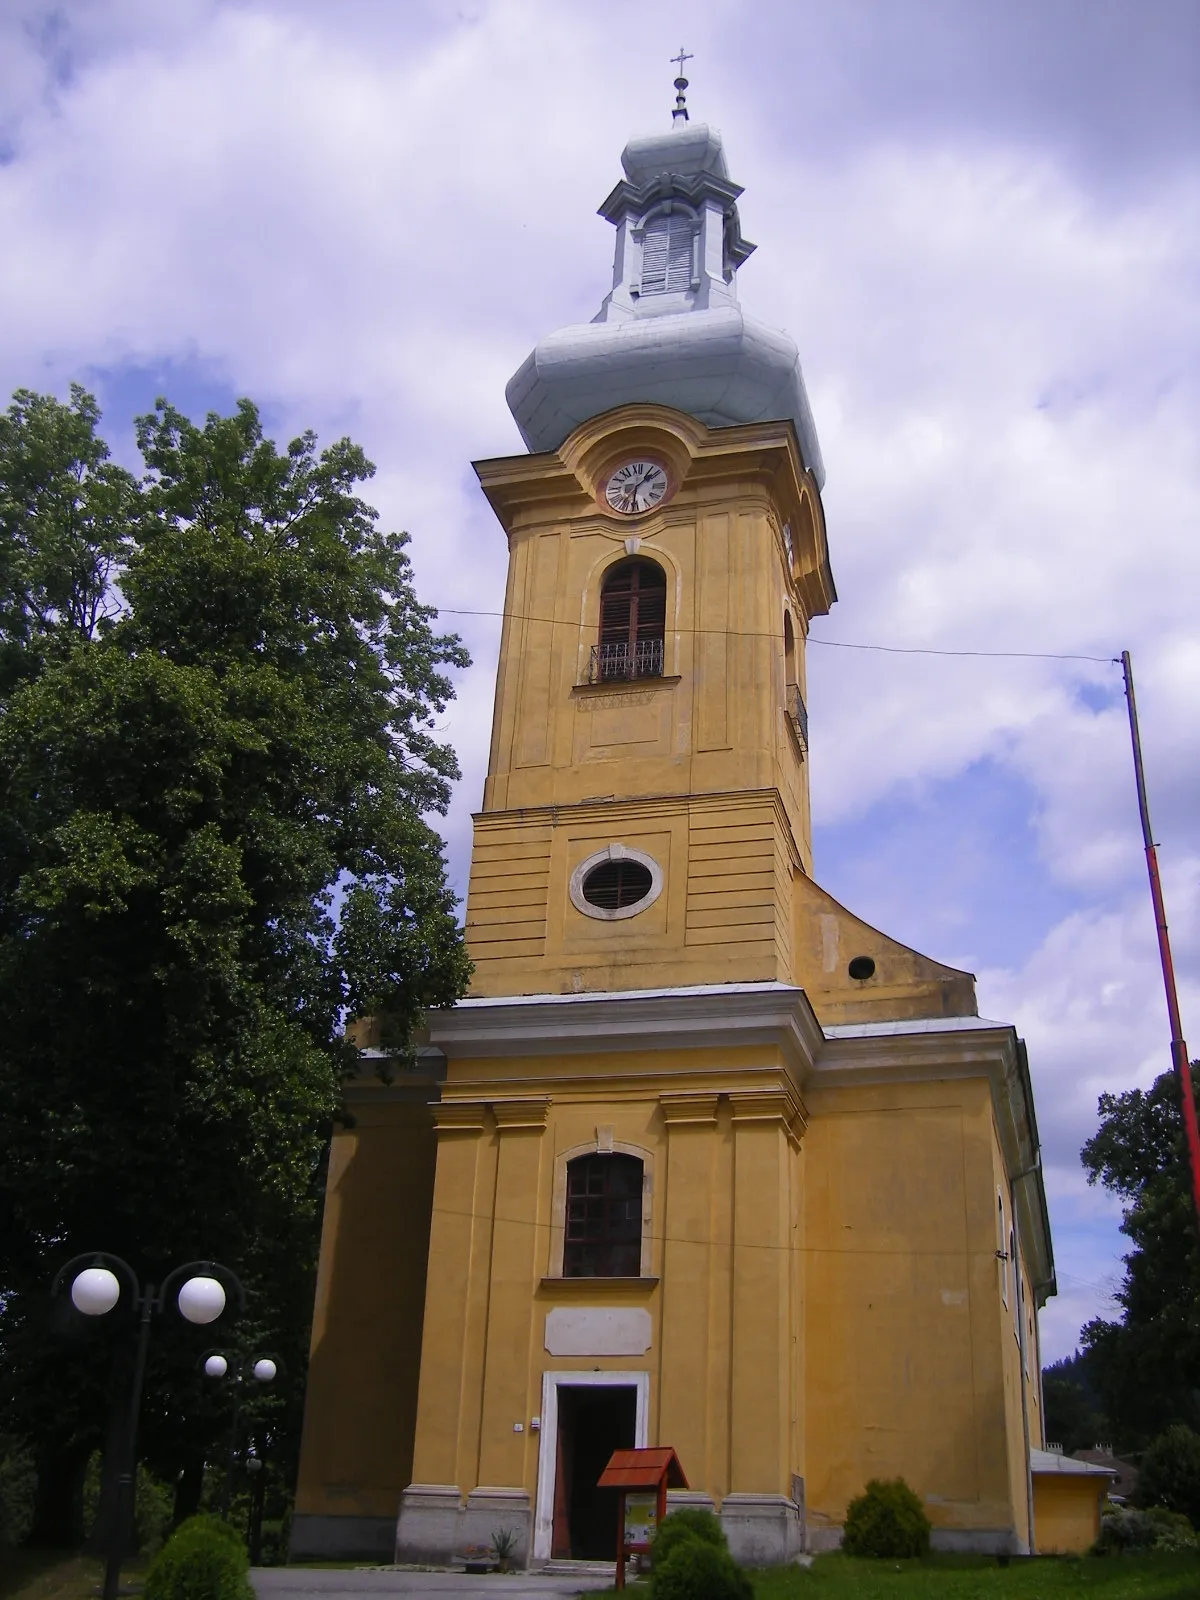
x=875 y=1053
x=922 y=1025
x=636 y=1019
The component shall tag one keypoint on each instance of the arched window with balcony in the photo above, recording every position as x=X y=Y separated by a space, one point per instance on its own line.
x=603 y=1236
x=633 y=619
x=794 y=699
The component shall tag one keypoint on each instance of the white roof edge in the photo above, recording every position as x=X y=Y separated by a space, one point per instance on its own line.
x=844 y=1030
x=873 y=1030
x=482 y=1002
x=1054 y=1461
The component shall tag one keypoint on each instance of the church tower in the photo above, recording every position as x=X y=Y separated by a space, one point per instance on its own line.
x=703 y=1160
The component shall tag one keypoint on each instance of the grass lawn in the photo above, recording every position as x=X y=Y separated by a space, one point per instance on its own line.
x=51 y=1575
x=48 y=1575
x=839 y=1577
x=966 y=1578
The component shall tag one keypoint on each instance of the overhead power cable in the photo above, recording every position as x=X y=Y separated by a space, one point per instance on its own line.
x=726 y=1241
x=832 y=644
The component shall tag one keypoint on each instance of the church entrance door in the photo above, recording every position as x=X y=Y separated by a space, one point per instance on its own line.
x=592 y=1423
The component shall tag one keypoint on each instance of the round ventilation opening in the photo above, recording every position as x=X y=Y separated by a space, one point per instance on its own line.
x=861 y=968
x=614 y=885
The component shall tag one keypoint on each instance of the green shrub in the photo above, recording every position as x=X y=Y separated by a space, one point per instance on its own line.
x=208 y=1522
x=153 y=1505
x=273 y=1543
x=204 y=1559
x=17 y=1482
x=1127 y=1528
x=689 y=1522
x=887 y=1520
x=1124 y=1528
x=1172 y=1530
x=1169 y=1473
x=697 y=1569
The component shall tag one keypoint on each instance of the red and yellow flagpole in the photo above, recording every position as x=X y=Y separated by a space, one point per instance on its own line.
x=1179 y=1053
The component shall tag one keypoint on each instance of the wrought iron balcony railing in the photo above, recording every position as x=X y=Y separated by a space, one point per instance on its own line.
x=611 y=662
x=798 y=712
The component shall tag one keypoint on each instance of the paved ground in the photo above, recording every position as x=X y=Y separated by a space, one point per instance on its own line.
x=315 y=1583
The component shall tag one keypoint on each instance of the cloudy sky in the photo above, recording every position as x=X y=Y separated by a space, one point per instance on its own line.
x=979 y=222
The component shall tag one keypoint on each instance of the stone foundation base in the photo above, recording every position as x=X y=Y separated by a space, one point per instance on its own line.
x=947 y=1541
x=490 y=1511
x=977 y=1542
x=764 y=1530
x=693 y=1499
x=426 y=1530
x=318 y=1537
x=436 y=1529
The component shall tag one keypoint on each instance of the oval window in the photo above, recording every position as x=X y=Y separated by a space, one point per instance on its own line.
x=616 y=884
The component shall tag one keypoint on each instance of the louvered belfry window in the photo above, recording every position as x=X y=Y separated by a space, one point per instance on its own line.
x=604 y=1217
x=667 y=253
x=616 y=884
x=633 y=619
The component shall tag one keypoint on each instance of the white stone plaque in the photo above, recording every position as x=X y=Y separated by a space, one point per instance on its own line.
x=597 y=1331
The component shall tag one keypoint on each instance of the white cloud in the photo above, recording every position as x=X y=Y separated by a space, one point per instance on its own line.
x=1089 y=1002
x=364 y=216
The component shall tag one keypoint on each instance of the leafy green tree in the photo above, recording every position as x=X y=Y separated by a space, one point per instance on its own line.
x=217 y=757
x=1147 y=1365
x=67 y=516
x=1169 y=1473
x=1073 y=1416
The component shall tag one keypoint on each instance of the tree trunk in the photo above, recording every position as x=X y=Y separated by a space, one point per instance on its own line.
x=188 y=1488
x=99 y=1535
x=58 y=1500
x=254 y=1538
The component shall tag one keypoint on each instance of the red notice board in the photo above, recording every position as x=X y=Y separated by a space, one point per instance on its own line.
x=642 y=1478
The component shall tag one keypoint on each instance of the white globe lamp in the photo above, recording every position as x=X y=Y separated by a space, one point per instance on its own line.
x=201 y=1300
x=265 y=1370
x=216 y=1366
x=95 y=1291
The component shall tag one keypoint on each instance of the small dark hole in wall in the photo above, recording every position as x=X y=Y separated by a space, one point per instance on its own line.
x=861 y=968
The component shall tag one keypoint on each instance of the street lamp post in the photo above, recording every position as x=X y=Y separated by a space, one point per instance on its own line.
x=95 y=1280
x=263 y=1370
x=256 y=1467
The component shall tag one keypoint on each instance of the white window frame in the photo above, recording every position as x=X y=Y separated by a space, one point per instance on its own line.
x=543 y=1516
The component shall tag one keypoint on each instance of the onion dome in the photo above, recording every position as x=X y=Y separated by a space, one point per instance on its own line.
x=671 y=330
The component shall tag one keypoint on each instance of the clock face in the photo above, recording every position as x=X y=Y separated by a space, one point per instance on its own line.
x=636 y=486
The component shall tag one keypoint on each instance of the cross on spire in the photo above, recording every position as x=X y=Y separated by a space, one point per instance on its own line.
x=680 y=113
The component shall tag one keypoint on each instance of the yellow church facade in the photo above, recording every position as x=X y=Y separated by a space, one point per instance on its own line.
x=703 y=1160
